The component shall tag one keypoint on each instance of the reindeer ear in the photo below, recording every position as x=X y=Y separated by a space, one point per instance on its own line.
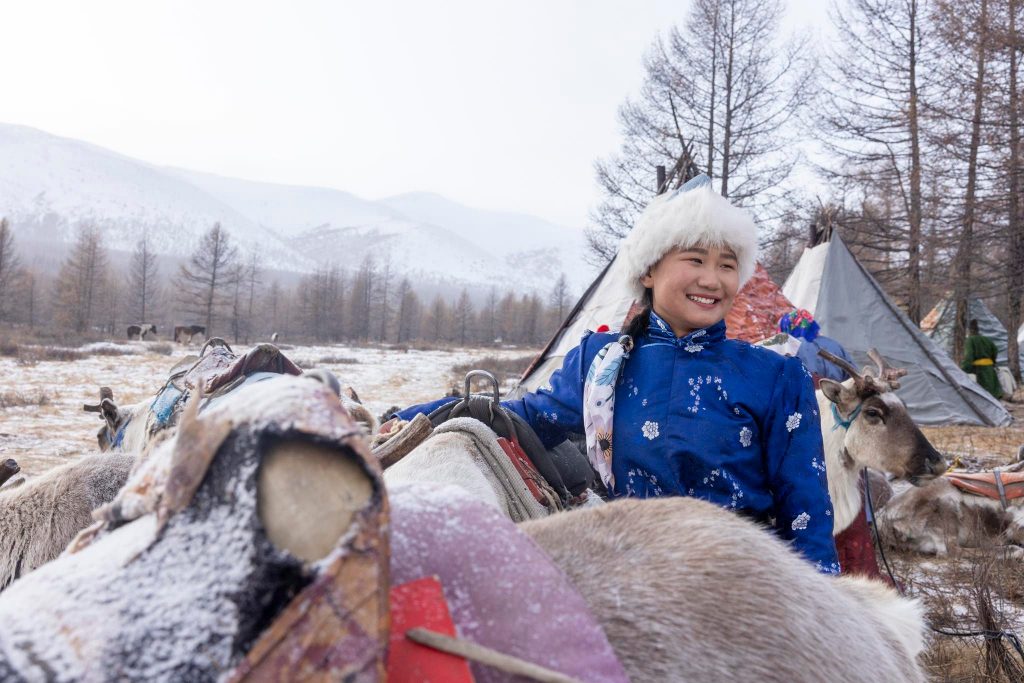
x=832 y=389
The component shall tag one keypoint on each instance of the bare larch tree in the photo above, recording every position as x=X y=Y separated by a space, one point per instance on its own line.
x=80 y=280
x=869 y=116
x=8 y=267
x=206 y=283
x=717 y=97
x=142 y=282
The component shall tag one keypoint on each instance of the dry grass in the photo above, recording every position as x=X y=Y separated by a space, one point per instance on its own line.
x=973 y=590
x=337 y=360
x=18 y=399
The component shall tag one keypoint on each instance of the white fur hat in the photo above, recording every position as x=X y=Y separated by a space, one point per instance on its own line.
x=694 y=215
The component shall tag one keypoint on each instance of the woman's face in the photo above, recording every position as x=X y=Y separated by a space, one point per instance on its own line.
x=693 y=288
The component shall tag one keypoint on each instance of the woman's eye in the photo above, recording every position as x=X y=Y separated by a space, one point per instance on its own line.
x=694 y=259
x=728 y=266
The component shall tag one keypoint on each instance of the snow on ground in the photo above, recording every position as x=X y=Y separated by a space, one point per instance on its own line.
x=41 y=436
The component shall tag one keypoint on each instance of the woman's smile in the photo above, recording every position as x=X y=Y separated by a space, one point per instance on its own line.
x=693 y=288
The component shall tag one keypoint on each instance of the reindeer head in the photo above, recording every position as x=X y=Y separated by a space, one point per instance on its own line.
x=879 y=431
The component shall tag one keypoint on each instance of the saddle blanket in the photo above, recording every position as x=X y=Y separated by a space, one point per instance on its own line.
x=503 y=590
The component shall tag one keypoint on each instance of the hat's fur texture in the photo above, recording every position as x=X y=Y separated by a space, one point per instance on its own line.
x=693 y=218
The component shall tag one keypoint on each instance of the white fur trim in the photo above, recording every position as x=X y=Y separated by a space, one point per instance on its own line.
x=697 y=217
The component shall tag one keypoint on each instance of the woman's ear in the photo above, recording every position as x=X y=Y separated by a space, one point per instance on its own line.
x=647 y=281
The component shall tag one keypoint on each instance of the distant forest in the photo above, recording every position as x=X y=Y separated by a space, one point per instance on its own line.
x=229 y=293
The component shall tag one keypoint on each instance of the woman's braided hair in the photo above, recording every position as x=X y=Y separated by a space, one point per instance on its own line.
x=637 y=327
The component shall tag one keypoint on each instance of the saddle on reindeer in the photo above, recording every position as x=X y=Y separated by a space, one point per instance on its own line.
x=219 y=370
x=1002 y=484
x=533 y=480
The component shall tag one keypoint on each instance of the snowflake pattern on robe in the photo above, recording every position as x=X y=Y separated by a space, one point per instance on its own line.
x=642 y=484
x=700 y=447
x=800 y=523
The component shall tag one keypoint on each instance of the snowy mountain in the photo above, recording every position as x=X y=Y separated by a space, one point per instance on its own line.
x=49 y=186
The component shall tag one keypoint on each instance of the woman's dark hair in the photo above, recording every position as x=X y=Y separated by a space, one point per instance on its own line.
x=636 y=327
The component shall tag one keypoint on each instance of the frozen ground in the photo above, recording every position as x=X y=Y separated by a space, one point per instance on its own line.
x=41 y=436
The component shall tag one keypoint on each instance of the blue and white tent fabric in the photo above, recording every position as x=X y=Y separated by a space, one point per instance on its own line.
x=852 y=308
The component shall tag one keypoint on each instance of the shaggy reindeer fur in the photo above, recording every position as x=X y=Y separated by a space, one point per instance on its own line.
x=39 y=518
x=686 y=591
x=939 y=517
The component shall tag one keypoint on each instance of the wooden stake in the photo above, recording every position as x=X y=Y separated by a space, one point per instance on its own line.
x=487 y=656
x=400 y=445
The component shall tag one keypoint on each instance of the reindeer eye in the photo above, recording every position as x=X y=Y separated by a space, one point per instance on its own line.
x=873 y=413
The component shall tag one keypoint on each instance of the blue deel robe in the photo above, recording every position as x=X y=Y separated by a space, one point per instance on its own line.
x=708 y=417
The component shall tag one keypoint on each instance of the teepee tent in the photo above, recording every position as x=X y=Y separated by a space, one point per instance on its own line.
x=609 y=301
x=938 y=325
x=851 y=307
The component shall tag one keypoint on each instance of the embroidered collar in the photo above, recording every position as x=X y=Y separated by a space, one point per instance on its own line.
x=660 y=330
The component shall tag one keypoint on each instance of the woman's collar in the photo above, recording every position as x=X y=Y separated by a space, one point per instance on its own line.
x=658 y=329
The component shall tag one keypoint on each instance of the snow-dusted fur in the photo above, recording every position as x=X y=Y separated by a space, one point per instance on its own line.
x=39 y=518
x=686 y=591
x=843 y=475
x=696 y=218
x=464 y=452
x=448 y=459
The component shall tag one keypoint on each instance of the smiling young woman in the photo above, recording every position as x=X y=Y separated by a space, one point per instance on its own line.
x=673 y=407
x=693 y=287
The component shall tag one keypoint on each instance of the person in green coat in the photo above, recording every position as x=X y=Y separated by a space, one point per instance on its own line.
x=980 y=360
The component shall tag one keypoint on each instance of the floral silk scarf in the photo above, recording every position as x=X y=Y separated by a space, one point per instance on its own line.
x=599 y=405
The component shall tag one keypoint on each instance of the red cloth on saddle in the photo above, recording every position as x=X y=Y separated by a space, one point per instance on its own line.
x=856 y=549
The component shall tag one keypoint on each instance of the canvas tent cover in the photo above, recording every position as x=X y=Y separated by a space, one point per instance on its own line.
x=754 y=316
x=938 y=325
x=851 y=307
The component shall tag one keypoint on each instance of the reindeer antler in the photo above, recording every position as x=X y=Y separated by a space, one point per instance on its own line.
x=886 y=373
x=841 y=362
x=864 y=380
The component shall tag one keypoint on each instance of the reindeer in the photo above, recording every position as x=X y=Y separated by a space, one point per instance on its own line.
x=959 y=510
x=39 y=518
x=864 y=424
x=140 y=331
x=687 y=591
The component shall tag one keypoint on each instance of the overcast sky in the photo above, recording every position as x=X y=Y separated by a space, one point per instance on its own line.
x=498 y=105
